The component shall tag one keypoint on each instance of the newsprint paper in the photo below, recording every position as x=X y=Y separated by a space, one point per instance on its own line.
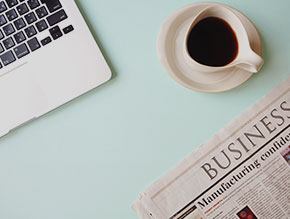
x=242 y=172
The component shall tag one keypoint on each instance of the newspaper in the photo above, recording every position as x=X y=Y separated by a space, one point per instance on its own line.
x=242 y=172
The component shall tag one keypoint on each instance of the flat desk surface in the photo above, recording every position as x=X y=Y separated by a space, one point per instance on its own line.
x=92 y=157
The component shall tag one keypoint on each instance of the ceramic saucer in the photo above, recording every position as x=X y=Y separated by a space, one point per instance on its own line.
x=170 y=47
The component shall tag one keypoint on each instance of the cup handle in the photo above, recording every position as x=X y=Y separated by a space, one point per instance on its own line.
x=251 y=63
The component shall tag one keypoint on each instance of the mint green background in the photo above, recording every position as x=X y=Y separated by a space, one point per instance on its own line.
x=92 y=157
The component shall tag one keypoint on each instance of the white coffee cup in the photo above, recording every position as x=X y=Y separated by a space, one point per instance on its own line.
x=246 y=58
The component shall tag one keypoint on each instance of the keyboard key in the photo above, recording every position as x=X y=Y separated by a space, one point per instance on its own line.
x=33 y=44
x=41 y=12
x=7 y=58
x=21 y=51
x=68 y=29
x=30 y=31
x=2 y=7
x=1 y=35
x=19 y=37
x=11 y=3
x=46 y=41
x=19 y=24
x=22 y=9
x=55 y=32
x=30 y=18
x=8 y=29
x=1 y=48
x=8 y=43
x=14 y=40
x=2 y=20
x=41 y=25
x=56 y=17
x=33 y=3
x=11 y=15
x=52 y=5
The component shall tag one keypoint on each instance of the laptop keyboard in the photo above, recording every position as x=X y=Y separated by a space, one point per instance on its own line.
x=20 y=23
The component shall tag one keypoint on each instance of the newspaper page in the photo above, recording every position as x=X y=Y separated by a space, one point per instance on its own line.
x=242 y=172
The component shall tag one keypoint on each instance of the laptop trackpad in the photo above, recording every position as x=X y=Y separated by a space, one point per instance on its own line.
x=21 y=100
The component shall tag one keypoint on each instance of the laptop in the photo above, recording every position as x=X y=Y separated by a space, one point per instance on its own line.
x=47 y=57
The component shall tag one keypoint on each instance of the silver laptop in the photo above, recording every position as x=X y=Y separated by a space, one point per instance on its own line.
x=47 y=58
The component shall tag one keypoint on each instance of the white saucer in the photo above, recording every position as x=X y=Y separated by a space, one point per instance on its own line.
x=170 y=47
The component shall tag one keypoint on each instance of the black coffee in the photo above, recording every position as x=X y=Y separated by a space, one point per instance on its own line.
x=212 y=42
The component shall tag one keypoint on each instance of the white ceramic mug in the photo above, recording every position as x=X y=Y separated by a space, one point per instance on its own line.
x=246 y=58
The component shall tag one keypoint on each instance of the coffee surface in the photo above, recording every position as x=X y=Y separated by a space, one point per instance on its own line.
x=212 y=42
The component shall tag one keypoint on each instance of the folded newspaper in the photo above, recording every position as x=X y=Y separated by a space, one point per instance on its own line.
x=242 y=172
